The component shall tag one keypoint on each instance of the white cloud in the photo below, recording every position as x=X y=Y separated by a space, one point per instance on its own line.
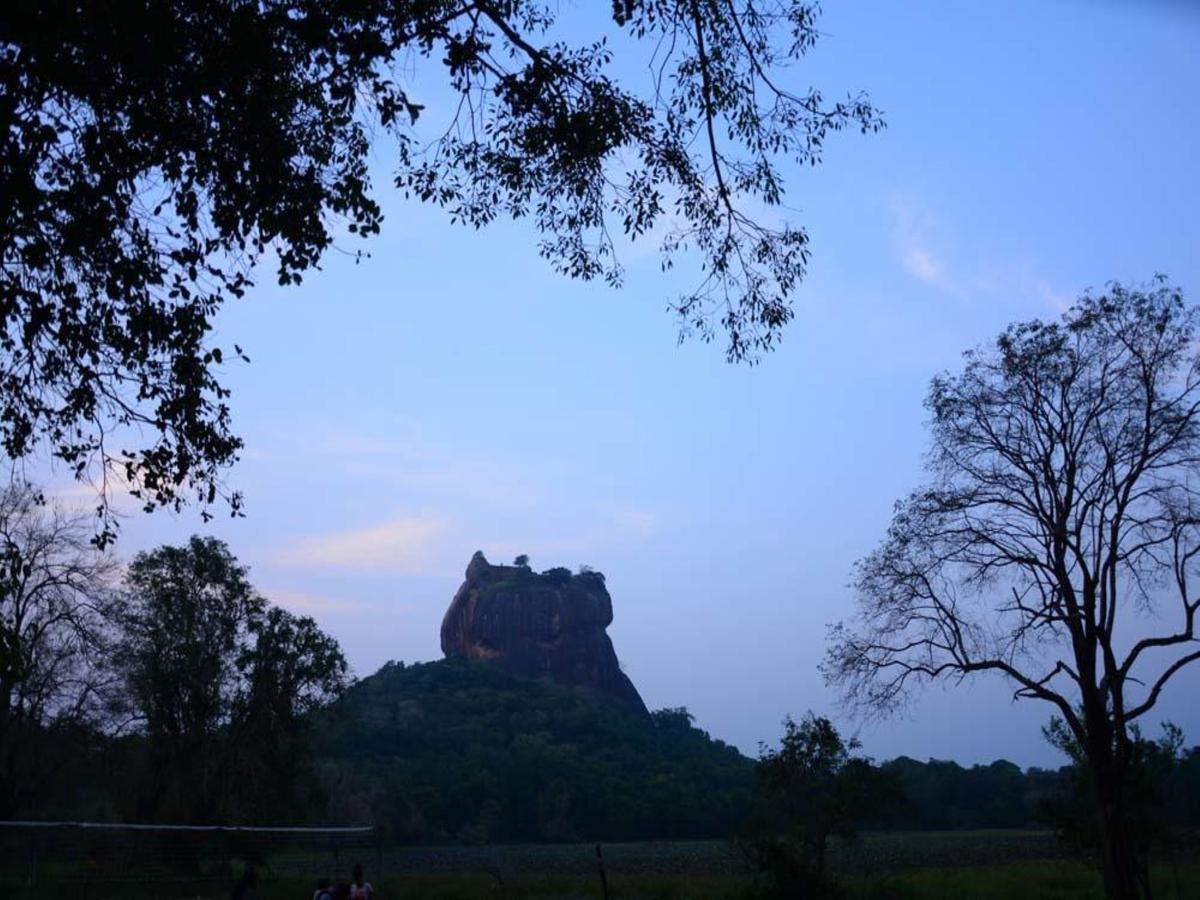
x=401 y=546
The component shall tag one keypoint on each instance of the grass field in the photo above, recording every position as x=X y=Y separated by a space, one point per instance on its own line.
x=1032 y=880
x=874 y=852
x=989 y=865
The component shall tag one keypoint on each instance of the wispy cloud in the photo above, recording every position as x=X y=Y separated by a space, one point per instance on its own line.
x=85 y=495
x=914 y=235
x=925 y=254
x=409 y=462
x=400 y=546
x=1056 y=300
x=922 y=264
x=305 y=604
x=618 y=526
x=465 y=479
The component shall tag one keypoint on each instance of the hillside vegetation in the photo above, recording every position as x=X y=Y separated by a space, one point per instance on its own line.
x=453 y=750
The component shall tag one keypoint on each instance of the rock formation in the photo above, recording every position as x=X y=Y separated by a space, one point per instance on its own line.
x=548 y=625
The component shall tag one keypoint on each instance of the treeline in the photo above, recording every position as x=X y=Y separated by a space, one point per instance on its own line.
x=940 y=795
x=167 y=690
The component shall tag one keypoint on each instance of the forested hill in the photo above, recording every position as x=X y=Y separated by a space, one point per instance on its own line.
x=455 y=750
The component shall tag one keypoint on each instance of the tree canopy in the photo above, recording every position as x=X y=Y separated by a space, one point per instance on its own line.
x=155 y=153
x=222 y=685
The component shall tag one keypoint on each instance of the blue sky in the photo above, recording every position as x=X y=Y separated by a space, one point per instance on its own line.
x=451 y=393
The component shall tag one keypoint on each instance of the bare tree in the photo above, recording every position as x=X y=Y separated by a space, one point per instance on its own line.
x=1063 y=505
x=55 y=606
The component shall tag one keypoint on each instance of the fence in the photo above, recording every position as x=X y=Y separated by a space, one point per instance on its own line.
x=46 y=854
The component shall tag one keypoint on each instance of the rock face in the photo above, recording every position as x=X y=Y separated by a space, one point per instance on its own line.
x=548 y=625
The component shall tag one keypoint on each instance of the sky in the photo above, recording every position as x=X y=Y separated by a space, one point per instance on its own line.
x=451 y=393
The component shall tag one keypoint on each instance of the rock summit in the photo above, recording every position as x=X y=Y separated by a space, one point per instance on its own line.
x=538 y=625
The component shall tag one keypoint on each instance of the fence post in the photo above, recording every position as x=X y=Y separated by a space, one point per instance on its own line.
x=378 y=856
x=603 y=875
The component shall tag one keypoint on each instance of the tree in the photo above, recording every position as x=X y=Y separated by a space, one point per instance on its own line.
x=153 y=154
x=187 y=623
x=522 y=561
x=56 y=609
x=292 y=670
x=222 y=684
x=808 y=790
x=1063 y=501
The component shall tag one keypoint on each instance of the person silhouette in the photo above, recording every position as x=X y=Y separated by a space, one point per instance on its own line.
x=360 y=888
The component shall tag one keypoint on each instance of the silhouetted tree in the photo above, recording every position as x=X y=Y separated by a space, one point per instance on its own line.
x=291 y=670
x=557 y=575
x=808 y=790
x=1064 y=499
x=222 y=684
x=153 y=153
x=522 y=561
x=187 y=623
x=56 y=606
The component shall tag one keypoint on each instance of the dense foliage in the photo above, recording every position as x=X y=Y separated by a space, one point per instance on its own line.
x=152 y=154
x=941 y=795
x=220 y=687
x=453 y=750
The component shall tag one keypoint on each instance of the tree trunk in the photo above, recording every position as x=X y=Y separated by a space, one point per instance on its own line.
x=8 y=768
x=1118 y=859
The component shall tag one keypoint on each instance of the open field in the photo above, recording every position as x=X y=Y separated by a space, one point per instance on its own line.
x=874 y=852
x=990 y=865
